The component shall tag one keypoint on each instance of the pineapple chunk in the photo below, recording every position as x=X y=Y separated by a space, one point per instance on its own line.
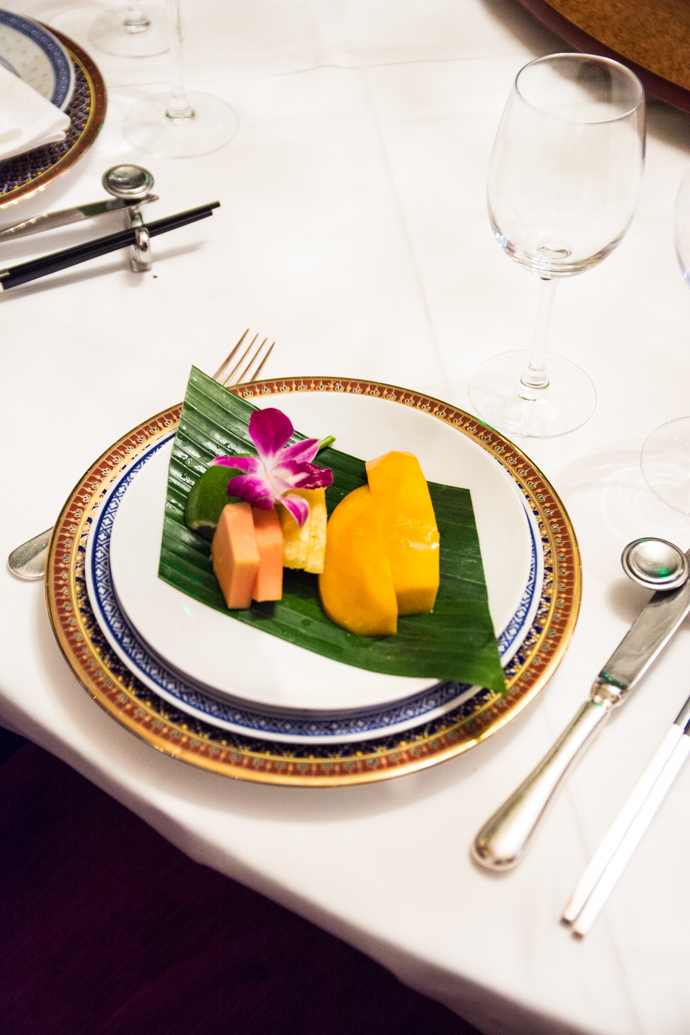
x=295 y=539
x=317 y=532
x=305 y=547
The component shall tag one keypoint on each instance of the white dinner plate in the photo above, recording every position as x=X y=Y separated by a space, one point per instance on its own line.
x=273 y=688
x=274 y=723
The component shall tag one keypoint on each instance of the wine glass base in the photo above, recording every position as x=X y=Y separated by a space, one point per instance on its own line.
x=109 y=33
x=499 y=399
x=665 y=462
x=213 y=125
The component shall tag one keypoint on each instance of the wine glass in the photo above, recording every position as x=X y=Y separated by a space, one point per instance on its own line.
x=564 y=179
x=132 y=31
x=665 y=456
x=181 y=124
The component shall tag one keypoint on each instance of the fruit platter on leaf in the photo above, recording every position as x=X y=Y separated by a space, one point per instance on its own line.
x=362 y=561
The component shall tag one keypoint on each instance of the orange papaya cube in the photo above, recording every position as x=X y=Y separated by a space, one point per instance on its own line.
x=356 y=584
x=269 y=542
x=235 y=555
x=401 y=494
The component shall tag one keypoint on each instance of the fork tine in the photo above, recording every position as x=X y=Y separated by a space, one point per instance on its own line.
x=241 y=378
x=230 y=378
x=254 y=376
x=226 y=362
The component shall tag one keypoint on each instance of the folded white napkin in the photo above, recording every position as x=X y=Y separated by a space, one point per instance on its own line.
x=27 y=120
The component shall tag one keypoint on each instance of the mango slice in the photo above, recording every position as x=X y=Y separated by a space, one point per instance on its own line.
x=305 y=547
x=356 y=585
x=401 y=495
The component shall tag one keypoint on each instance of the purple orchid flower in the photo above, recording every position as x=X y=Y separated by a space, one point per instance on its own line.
x=278 y=468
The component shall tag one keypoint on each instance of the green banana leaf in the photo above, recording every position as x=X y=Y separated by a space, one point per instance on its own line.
x=456 y=642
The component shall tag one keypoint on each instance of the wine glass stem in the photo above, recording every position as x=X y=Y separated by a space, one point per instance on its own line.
x=135 y=20
x=179 y=107
x=535 y=378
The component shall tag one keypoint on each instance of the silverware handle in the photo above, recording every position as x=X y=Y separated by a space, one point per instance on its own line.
x=501 y=842
x=612 y=855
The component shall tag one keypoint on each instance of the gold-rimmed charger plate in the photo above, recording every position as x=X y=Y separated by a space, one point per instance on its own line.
x=117 y=690
x=22 y=176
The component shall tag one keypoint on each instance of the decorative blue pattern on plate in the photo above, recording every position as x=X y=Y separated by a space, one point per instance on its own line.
x=516 y=629
x=251 y=720
x=55 y=54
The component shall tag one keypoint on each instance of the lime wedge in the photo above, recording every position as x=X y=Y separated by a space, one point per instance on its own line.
x=207 y=498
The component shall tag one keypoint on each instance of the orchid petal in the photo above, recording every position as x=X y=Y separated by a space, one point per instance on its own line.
x=248 y=464
x=270 y=430
x=300 y=452
x=254 y=488
x=277 y=471
x=298 y=507
x=301 y=476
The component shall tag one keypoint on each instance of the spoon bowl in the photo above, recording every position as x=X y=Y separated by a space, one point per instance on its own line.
x=128 y=181
x=655 y=564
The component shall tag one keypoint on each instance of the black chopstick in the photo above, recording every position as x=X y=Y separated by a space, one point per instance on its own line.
x=26 y=271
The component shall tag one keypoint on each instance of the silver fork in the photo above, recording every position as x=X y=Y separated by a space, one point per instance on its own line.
x=28 y=561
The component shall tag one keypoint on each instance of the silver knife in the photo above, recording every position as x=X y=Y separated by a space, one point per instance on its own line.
x=501 y=842
x=51 y=220
x=626 y=831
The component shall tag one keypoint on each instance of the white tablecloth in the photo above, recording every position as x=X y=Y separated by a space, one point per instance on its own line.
x=353 y=230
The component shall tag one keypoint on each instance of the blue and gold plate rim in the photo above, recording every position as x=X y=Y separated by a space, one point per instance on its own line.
x=176 y=733
x=23 y=175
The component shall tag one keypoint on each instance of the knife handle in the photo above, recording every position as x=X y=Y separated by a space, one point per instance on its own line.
x=501 y=842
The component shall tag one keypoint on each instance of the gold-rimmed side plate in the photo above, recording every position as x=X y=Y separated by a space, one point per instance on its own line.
x=22 y=176
x=171 y=731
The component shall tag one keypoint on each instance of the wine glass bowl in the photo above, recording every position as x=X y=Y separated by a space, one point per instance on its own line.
x=566 y=170
x=563 y=183
x=665 y=457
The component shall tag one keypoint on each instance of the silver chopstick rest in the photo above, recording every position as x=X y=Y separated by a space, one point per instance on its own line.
x=130 y=186
x=628 y=828
x=128 y=183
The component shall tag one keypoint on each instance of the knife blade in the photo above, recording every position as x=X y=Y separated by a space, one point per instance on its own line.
x=626 y=831
x=502 y=841
x=66 y=216
x=646 y=637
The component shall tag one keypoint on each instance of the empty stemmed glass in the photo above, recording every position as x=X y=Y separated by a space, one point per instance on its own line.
x=564 y=180
x=131 y=31
x=666 y=453
x=182 y=123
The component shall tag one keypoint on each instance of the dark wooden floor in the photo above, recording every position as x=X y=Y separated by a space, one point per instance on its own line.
x=107 y=929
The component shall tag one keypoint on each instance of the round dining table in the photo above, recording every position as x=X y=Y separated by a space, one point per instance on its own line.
x=353 y=231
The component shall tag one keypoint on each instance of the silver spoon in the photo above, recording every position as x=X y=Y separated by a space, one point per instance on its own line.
x=655 y=564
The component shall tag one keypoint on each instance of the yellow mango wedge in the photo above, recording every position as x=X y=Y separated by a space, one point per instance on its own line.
x=305 y=547
x=356 y=585
x=401 y=495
